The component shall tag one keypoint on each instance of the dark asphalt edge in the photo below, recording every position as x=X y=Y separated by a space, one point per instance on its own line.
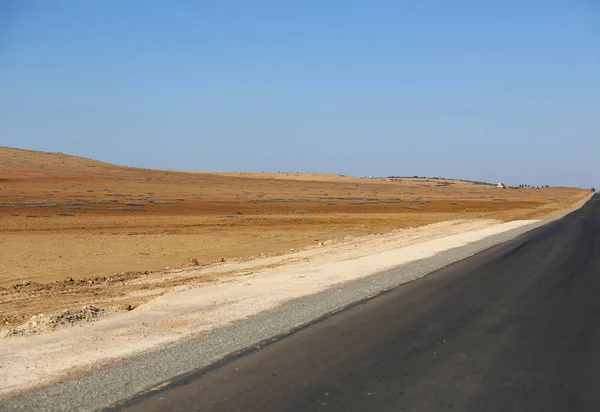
x=187 y=377
x=126 y=382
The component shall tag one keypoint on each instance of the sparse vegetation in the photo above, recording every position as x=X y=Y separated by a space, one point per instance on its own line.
x=102 y=201
x=362 y=203
x=213 y=215
x=300 y=212
x=162 y=202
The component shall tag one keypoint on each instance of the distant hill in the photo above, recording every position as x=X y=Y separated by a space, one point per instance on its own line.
x=52 y=164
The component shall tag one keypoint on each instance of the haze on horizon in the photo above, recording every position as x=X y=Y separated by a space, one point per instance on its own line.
x=495 y=91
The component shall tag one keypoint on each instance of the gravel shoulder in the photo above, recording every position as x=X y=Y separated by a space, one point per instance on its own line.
x=112 y=359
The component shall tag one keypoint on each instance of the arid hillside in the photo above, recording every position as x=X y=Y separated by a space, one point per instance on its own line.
x=38 y=184
x=68 y=222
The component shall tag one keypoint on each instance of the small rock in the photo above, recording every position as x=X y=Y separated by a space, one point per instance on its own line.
x=191 y=262
x=127 y=307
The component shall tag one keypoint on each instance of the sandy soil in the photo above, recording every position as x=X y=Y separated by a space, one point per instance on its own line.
x=77 y=231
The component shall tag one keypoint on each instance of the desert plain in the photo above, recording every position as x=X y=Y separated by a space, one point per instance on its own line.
x=76 y=231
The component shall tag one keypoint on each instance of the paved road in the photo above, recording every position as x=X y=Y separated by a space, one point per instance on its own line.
x=516 y=327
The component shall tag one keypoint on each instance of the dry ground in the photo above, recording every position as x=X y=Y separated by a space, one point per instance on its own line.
x=75 y=231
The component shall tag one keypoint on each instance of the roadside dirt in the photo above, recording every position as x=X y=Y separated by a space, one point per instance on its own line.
x=209 y=297
x=77 y=232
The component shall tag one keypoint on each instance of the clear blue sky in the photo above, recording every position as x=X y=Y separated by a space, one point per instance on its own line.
x=496 y=90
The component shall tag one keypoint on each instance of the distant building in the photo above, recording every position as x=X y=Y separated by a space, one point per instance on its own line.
x=502 y=186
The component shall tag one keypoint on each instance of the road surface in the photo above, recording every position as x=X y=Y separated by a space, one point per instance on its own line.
x=514 y=328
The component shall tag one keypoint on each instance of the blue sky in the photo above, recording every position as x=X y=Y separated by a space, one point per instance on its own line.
x=492 y=90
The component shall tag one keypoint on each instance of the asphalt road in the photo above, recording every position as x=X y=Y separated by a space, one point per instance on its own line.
x=514 y=328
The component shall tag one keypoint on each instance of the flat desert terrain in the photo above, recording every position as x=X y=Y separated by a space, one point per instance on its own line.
x=76 y=231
